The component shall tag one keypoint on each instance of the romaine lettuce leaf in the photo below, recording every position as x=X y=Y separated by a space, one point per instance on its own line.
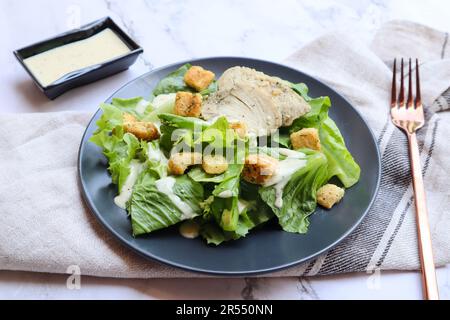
x=151 y=209
x=120 y=156
x=164 y=103
x=199 y=135
x=137 y=106
x=118 y=147
x=299 y=194
x=199 y=175
x=280 y=140
x=180 y=122
x=154 y=157
x=340 y=160
x=174 y=82
x=252 y=215
x=177 y=130
x=223 y=204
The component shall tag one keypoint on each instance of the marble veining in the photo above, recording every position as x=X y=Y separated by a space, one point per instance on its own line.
x=306 y=290
x=173 y=30
x=251 y=284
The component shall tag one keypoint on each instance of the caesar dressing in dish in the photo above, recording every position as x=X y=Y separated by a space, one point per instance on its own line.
x=53 y=64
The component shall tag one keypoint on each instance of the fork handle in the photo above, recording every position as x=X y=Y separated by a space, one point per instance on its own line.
x=430 y=288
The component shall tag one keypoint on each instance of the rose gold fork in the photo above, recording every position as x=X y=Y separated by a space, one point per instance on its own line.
x=409 y=117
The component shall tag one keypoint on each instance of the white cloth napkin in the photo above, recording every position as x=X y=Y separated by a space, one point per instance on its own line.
x=44 y=226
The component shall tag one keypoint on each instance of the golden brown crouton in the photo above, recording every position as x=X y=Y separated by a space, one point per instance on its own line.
x=214 y=164
x=188 y=104
x=127 y=118
x=240 y=128
x=306 y=138
x=179 y=162
x=198 y=78
x=259 y=168
x=329 y=194
x=142 y=130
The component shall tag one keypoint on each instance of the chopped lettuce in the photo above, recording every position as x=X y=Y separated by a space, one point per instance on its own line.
x=281 y=140
x=180 y=122
x=164 y=103
x=118 y=147
x=198 y=135
x=174 y=82
x=137 y=106
x=199 y=175
x=252 y=214
x=155 y=158
x=177 y=130
x=299 y=194
x=151 y=209
x=223 y=204
x=340 y=160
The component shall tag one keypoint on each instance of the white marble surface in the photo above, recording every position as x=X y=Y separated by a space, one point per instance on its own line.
x=177 y=30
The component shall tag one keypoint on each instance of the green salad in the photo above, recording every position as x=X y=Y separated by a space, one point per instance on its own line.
x=220 y=157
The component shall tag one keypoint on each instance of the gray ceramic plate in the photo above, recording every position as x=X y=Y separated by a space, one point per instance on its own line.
x=268 y=248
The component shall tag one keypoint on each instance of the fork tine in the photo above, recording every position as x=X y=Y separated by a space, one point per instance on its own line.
x=418 y=96
x=394 y=86
x=409 y=103
x=401 y=97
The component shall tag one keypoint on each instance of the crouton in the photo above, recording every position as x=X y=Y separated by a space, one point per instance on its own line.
x=142 y=130
x=214 y=164
x=259 y=168
x=306 y=138
x=127 y=118
x=329 y=194
x=198 y=78
x=188 y=104
x=240 y=128
x=179 y=162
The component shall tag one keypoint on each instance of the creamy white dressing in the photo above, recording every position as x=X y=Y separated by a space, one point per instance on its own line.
x=164 y=99
x=157 y=125
x=291 y=153
x=53 y=64
x=286 y=168
x=156 y=155
x=125 y=193
x=189 y=229
x=165 y=185
x=242 y=204
x=225 y=194
x=142 y=106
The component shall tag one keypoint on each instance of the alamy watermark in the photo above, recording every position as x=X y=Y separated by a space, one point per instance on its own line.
x=212 y=141
x=73 y=13
x=73 y=282
x=373 y=281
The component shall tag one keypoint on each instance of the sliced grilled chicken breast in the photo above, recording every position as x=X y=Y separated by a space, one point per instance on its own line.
x=263 y=102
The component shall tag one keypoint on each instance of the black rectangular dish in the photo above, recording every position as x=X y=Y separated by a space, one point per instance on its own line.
x=88 y=74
